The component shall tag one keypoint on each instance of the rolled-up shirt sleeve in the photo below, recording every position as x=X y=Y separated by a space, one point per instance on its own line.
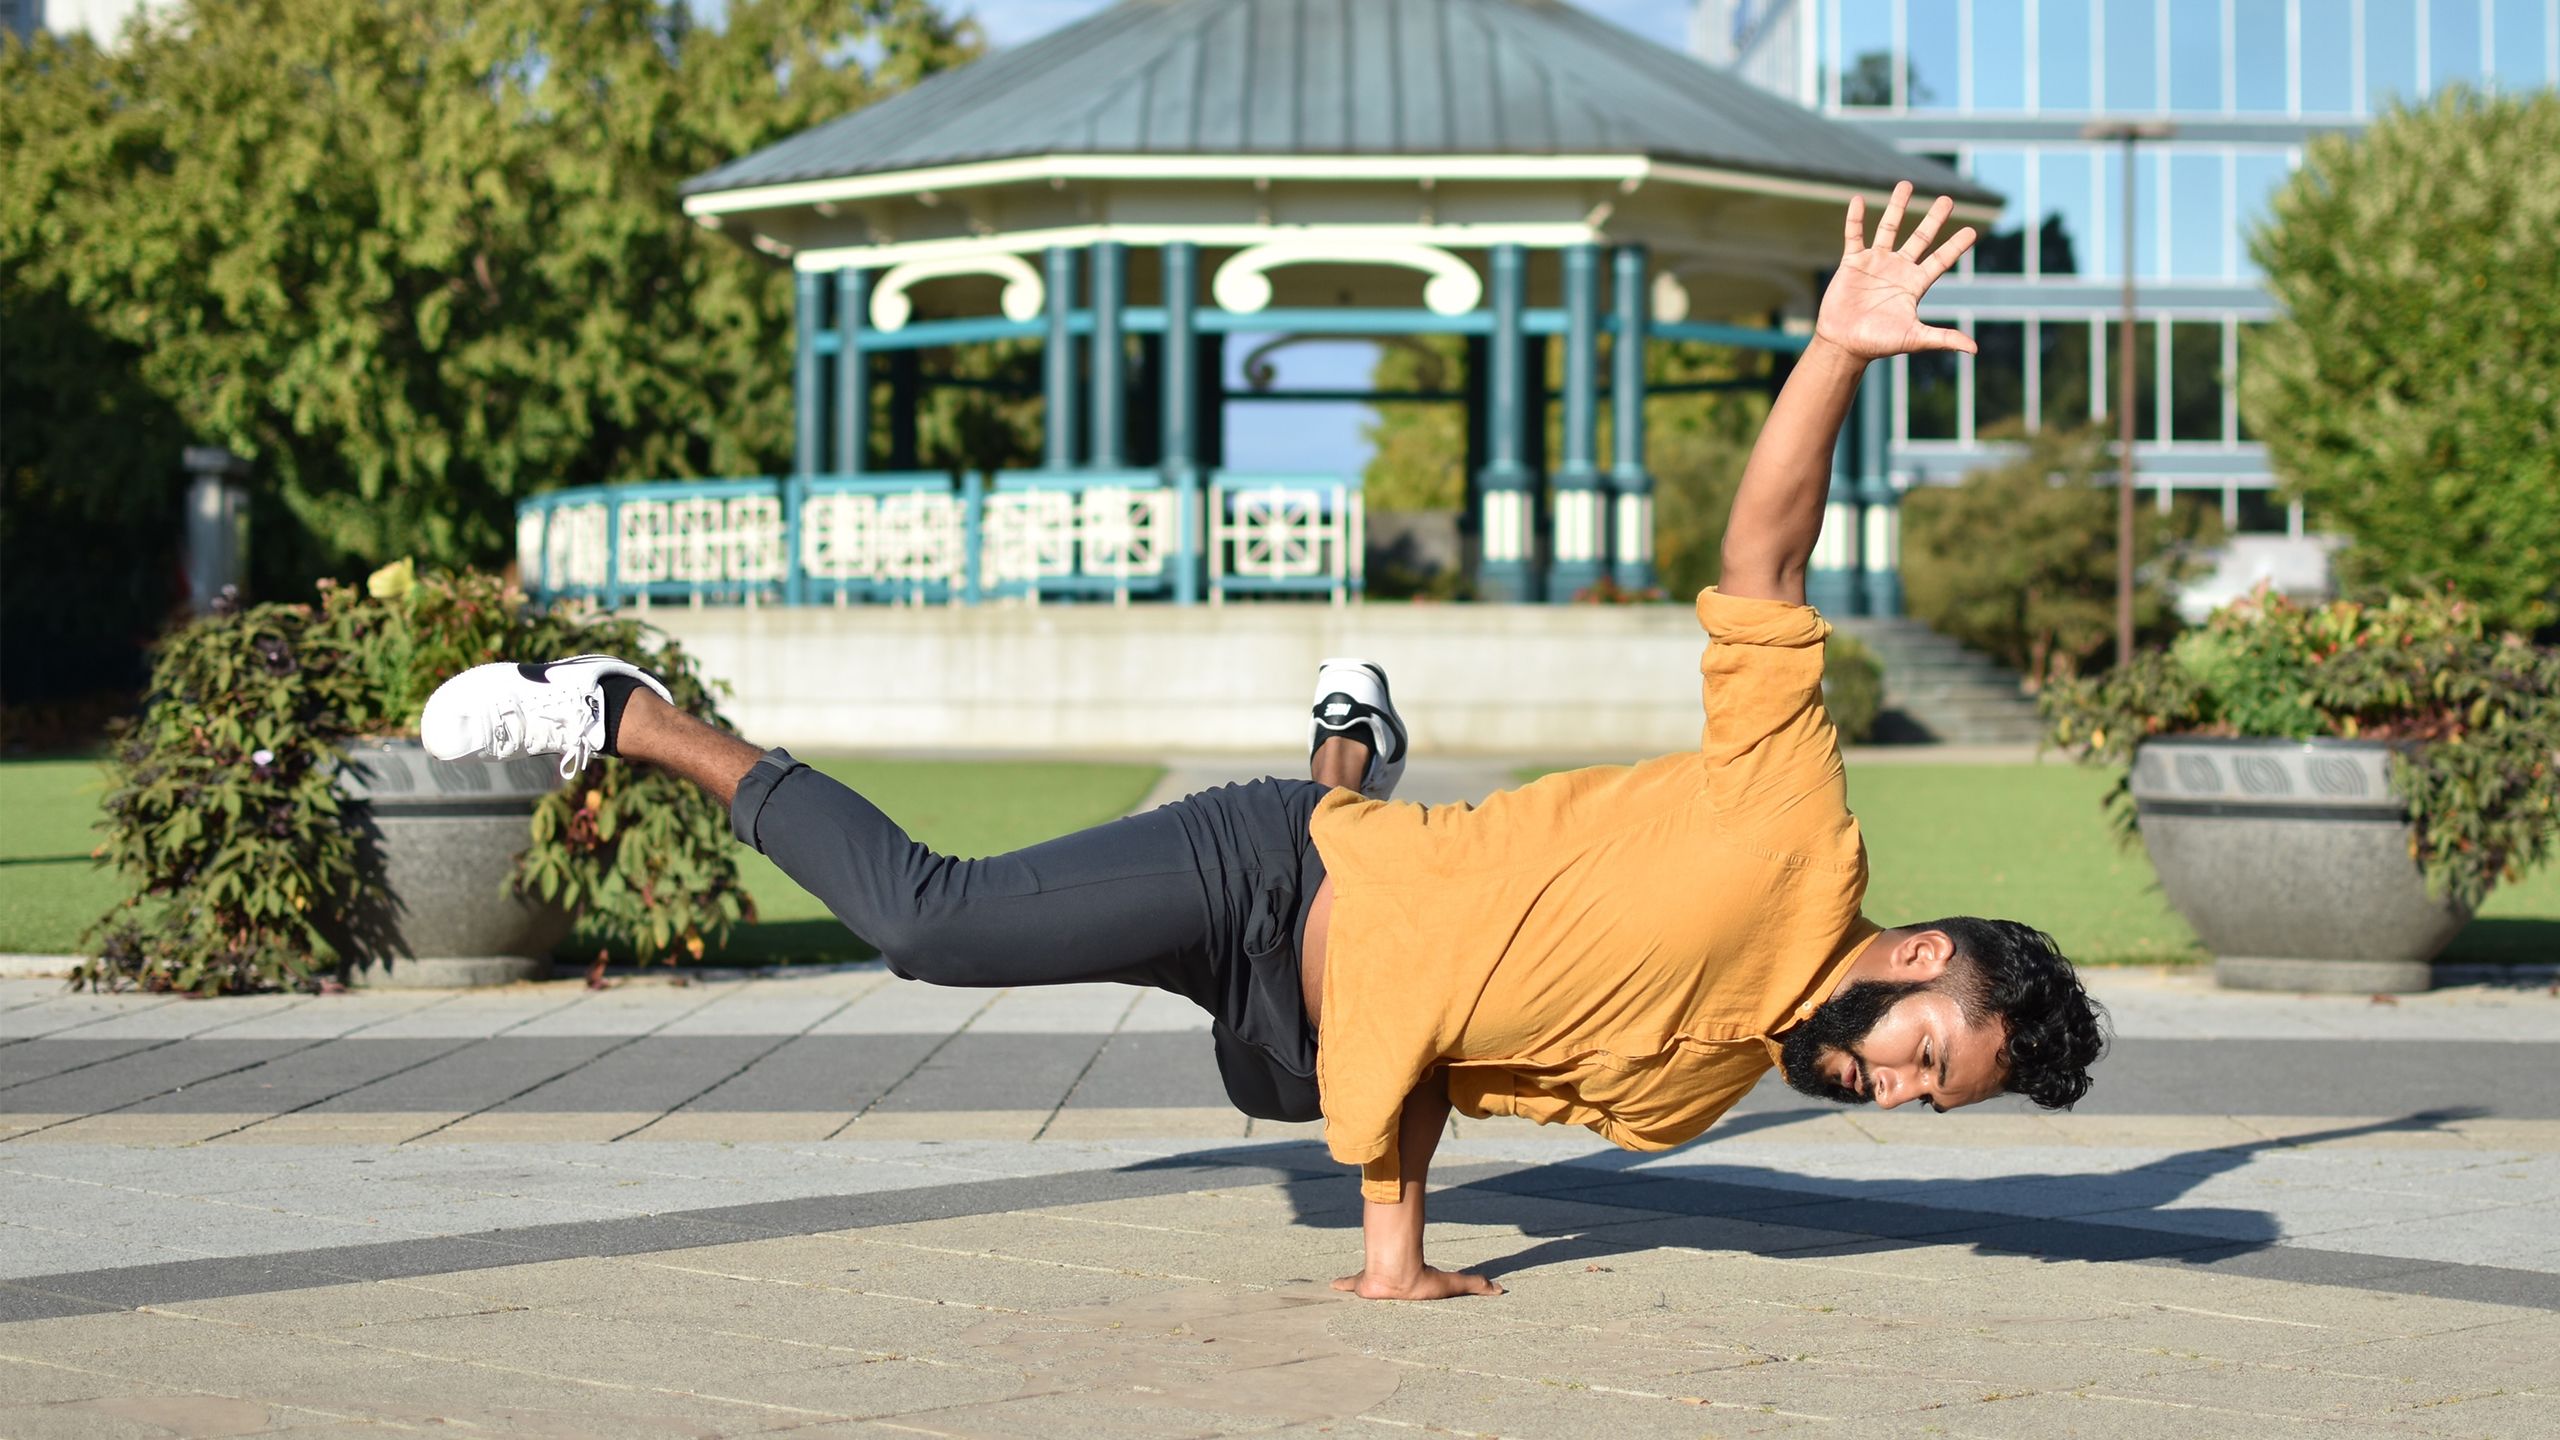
x=1768 y=741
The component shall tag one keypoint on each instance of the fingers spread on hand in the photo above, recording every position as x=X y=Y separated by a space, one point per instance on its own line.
x=1927 y=232
x=1932 y=337
x=1944 y=258
x=1891 y=226
x=1856 y=238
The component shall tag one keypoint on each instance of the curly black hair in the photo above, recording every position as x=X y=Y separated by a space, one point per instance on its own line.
x=2016 y=972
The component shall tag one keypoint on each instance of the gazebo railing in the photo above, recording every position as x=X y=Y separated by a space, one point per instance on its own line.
x=925 y=538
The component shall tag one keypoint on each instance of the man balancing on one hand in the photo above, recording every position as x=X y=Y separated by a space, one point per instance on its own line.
x=1625 y=947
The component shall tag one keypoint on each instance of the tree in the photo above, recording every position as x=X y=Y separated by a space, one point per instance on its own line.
x=415 y=259
x=2019 y=560
x=2409 y=390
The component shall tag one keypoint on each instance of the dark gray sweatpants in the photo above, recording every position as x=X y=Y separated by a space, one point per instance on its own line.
x=1204 y=897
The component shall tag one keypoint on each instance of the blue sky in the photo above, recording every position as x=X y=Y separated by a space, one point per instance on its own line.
x=1301 y=437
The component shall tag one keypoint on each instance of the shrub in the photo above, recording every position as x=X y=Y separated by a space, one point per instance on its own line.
x=2409 y=389
x=2019 y=560
x=223 y=811
x=1852 y=686
x=2477 y=715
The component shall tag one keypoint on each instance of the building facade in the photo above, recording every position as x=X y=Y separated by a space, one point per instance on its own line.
x=2004 y=90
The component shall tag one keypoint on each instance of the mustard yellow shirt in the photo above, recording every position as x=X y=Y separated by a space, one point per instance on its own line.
x=1616 y=947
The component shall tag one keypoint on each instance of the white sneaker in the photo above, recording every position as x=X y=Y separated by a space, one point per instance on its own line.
x=494 y=711
x=1352 y=700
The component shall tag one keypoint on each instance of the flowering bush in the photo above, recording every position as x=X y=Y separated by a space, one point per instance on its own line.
x=2476 y=715
x=223 y=812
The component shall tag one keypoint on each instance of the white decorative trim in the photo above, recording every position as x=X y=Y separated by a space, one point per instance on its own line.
x=1536 y=235
x=1836 y=548
x=1635 y=528
x=1038 y=168
x=1505 y=524
x=1025 y=293
x=1243 y=284
x=1577 y=525
x=1670 y=299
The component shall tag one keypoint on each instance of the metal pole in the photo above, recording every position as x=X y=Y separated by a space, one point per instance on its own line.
x=2124 y=429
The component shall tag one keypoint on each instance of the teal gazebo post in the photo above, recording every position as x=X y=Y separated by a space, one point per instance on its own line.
x=809 y=295
x=1177 y=410
x=1630 y=485
x=1058 y=364
x=1502 y=491
x=1577 y=562
x=1880 y=527
x=1109 y=373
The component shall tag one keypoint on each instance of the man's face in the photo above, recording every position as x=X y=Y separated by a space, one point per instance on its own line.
x=1893 y=1045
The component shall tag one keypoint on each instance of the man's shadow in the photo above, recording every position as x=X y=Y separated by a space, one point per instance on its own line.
x=1702 y=1203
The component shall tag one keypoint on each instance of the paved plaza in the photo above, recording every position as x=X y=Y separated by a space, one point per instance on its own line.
x=835 y=1202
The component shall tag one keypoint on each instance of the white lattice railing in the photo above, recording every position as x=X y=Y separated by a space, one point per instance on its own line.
x=918 y=538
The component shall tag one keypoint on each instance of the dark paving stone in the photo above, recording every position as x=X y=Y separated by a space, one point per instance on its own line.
x=821 y=1073
x=473 y=1077
x=143 y=1075
x=654 y=1073
x=1151 y=1071
x=301 y=1078
x=995 y=1072
x=29 y=1061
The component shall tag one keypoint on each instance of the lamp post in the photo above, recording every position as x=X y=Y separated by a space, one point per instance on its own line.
x=2126 y=133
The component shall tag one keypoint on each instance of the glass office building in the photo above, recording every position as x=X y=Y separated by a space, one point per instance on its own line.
x=2004 y=88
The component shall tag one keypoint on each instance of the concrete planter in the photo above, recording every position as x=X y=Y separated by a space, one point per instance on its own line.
x=2291 y=860
x=445 y=838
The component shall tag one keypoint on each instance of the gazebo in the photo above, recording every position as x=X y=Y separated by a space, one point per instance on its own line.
x=1133 y=190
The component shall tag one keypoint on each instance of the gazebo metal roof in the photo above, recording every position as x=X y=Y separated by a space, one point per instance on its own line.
x=1350 y=78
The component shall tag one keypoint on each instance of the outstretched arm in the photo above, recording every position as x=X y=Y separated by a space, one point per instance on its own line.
x=1870 y=312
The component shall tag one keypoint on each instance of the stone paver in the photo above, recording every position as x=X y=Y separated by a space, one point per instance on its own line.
x=836 y=1203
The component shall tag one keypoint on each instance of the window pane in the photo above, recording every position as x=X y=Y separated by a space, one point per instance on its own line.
x=1936 y=41
x=2260 y=512
x=2066 y=238
x=2195 y=55
x=2195 y=380
x=2258 y=55
x=2004 y=250
x=2146 y=378
x=2062 y=54
x=2062 y=374
x=1999 y=377
x=2133 y=55
x=2453 y=43
x=2146 y=212
x=2198 y=228
x=2390 y=53
x=2257 y=176
x=1866 y=52
x=1931 y=401
x=2250 y=330
x=2523 y=59
x=1999 y=54
x=2328 y=67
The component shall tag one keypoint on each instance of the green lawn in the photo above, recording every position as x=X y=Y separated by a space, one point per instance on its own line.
x=50 y=891
x=2022 y=840
x=2030 y=842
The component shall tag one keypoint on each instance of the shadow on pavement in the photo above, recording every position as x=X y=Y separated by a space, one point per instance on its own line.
x=1758 y=1210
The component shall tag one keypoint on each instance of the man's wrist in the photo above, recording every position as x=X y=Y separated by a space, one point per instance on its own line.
x=1825 y=352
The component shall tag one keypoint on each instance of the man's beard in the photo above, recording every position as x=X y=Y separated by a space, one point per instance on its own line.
x=1838 y=1024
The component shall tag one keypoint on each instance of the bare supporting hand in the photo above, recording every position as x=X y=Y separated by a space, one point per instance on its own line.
x=1426 y=1284
x=1872 y=308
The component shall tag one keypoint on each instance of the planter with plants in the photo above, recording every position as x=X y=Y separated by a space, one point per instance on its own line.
x=2329 y=792
x=278 y=825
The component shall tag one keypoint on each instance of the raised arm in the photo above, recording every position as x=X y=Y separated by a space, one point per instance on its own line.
x=1870 y=312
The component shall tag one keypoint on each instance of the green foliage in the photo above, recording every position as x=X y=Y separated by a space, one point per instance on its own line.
x=415 y=259
x=1852 y=686
x=2477 y=715
x=2409 y=388
x=223 y=813
x=2019 y=560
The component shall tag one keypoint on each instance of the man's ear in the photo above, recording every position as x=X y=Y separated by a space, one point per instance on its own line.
x=1922 y=956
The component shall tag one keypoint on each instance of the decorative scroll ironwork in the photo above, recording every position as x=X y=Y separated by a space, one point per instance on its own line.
x=1281 y=535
